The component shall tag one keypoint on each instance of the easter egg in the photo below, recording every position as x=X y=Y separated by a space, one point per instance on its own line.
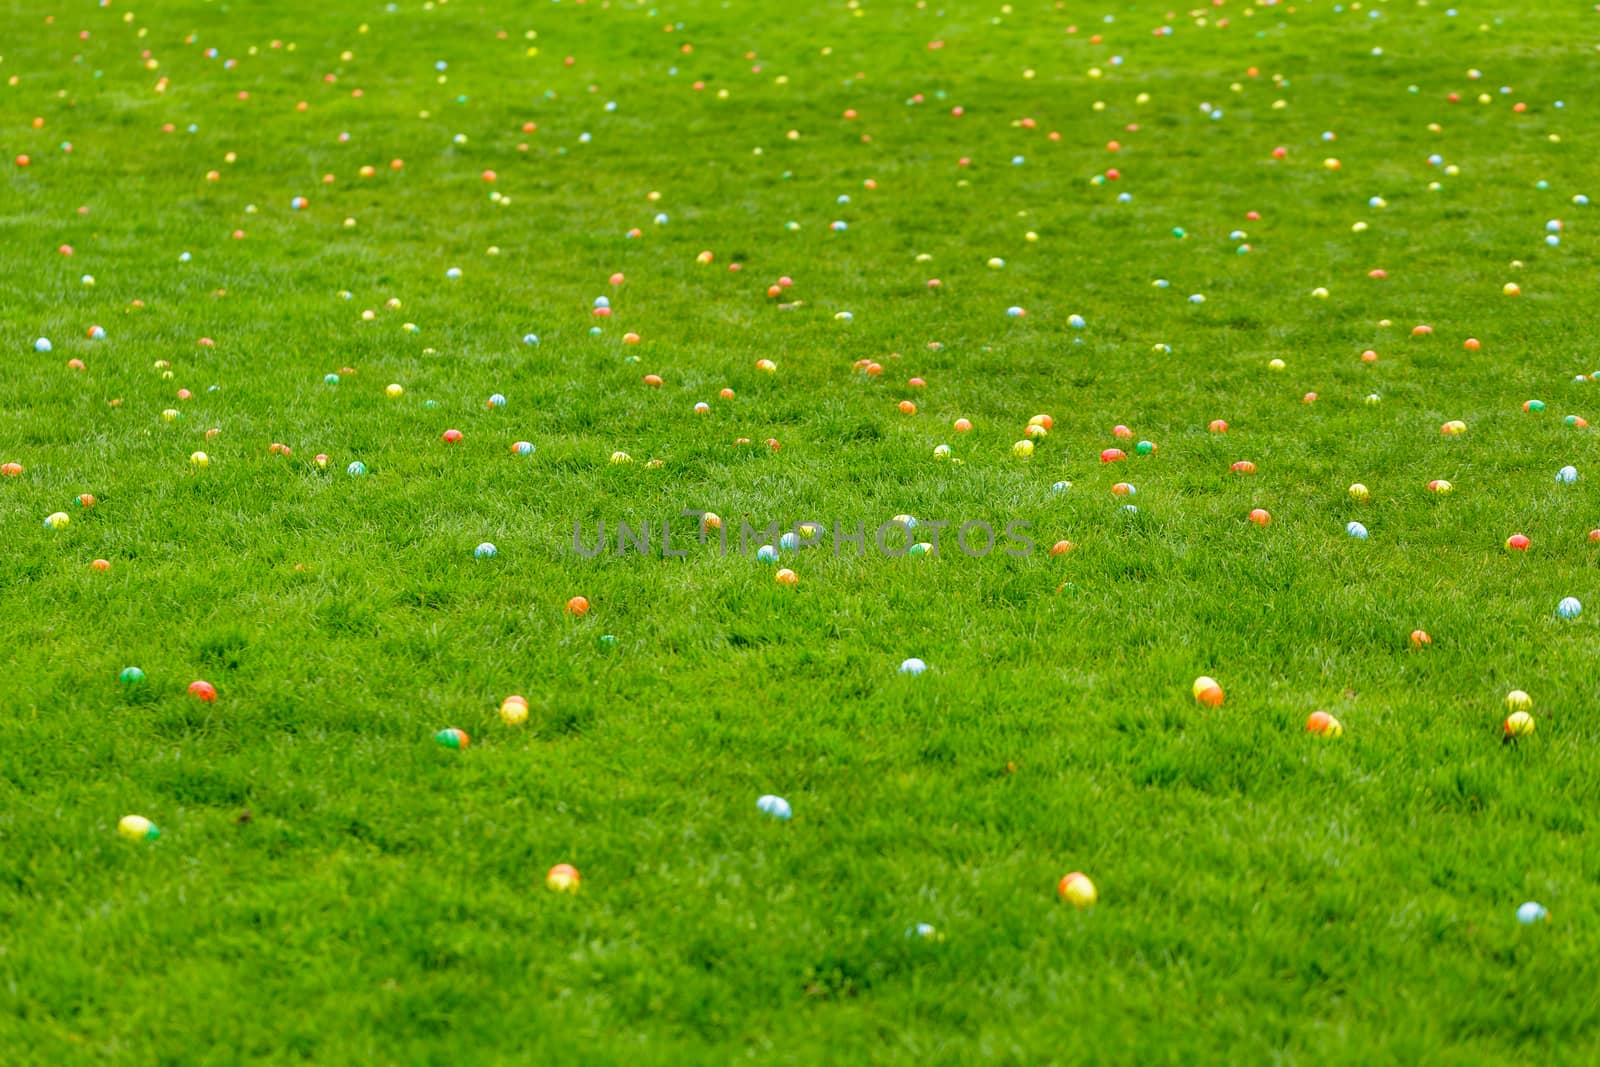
x=1517 y=700
x=203 y=691
x=578 y=606
x=1567 y=475
x=1324 y=725
x=485 y=551
x=1077 y=890
x=1260 y=517
x=522 y=448
x=1356 y=530
x=131 y=676
x=393 y=390
x=58 y=520
x=562 y=878
x=137 y=828
x=1518 y=543
x=786 y=577
x=1420 y=638
x=1359 y=493
x=1112 y=455
x=912 y=666
x=1517 y=724
x=767 y=554
x=356 y=469
x=1207 y=691
x=1022 y=449
x=1217 y=426
x=962 y=425
x=200 y=459
x=775 y=806
x=451 y=437
x=1243 y=466
x=450 y=737
x=1532 y=912
x=1569 y=608
x=514 y=710
x=1440 y=486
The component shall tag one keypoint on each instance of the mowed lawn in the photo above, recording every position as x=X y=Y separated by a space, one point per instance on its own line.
x=332 y=885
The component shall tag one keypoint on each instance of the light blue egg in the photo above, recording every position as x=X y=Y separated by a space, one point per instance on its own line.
x=485 y=551
x=1161 y=283
x=497 y=401
x=1015 y=312
x=1567 y=475
x=1017 y=161
x=602 y=301
x=1531 y=912
x=844 y=198
x=453 y=273
x=1552 y=240
x=1570 y=607
x=838 y=226
x=1356 y=530
x=42 y=345
x=1076 y=322
x=356 y=469
x=767 y=554
x=1124 y=198
x=789 y=542
x=530 y=338
x=1060 y=487
x=922 y=930
x=912 y=666
x=330 y=379
x=661 y=219
x=777 y=807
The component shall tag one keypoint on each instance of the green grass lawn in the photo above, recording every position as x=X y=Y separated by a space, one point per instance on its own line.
x=332 y=885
